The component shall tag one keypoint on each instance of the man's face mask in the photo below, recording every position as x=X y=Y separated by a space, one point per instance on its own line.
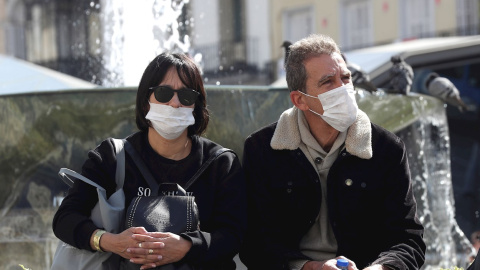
x=339 y=107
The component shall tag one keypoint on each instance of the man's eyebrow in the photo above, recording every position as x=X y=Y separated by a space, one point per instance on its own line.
x=325 y=78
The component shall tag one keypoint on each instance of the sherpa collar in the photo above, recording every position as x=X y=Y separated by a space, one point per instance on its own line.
x=357 y=143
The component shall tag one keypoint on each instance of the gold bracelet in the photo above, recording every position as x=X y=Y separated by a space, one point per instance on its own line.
x=96 y=239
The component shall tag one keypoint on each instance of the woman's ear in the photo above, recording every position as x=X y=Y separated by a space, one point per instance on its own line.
x=298 y=99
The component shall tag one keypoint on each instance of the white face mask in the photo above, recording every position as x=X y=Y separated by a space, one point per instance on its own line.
x=339 y=107
x=168 y=121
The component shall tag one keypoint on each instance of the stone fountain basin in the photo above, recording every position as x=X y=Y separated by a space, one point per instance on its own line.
x=44 y=131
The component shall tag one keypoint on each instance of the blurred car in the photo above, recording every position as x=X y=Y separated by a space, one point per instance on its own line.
x=456 y=58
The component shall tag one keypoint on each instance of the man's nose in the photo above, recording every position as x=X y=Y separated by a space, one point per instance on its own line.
x=339 y=82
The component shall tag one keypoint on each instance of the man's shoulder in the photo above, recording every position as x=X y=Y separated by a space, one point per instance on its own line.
x=385 y=137
x=381 y=131
x=265 y=131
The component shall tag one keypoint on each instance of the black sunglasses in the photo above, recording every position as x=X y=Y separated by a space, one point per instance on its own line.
x=165 y=93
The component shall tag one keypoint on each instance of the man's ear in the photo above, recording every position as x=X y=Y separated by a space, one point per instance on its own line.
x=298 y=99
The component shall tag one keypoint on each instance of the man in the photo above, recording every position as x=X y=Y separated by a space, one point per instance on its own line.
x=326 y=183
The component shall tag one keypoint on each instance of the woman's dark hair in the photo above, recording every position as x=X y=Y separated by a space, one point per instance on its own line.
x=189 y=74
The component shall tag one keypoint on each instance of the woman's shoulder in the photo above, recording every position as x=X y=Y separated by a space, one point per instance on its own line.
x=206 y=144
x=101 y=163
x=103 y=150
x=107 y=149
x=209 y=147
x=223 y=160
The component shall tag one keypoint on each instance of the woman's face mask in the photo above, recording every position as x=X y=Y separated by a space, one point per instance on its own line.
x=168 y=121
x=339 y=107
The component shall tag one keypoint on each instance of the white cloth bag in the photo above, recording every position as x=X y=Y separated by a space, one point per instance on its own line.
x=107 y=214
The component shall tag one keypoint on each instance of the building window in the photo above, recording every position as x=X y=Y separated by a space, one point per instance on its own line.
x=467 y=17
x=357 y=31
x=237 y=21
x=417 y=19
x=298 y=23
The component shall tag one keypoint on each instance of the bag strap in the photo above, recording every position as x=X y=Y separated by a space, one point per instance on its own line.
x=120 y=155
x=142 y=167
x=119 y=173
x=64 y=173
x=205 y=165
x=148 y=176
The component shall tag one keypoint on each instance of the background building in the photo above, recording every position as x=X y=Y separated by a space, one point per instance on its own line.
x=363 y=23
x=234 y=38
x=240 y=40
x=56 y=34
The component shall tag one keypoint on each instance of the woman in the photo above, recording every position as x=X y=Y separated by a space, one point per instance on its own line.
x=171 y=115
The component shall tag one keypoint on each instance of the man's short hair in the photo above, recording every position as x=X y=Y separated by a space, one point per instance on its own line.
x=311 y=46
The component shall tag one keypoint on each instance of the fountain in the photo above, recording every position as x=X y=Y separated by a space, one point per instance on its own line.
x=130 y=44
x=421 y=122
x=43 y=132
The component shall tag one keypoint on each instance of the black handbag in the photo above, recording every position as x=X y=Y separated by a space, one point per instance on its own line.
x=169 y=209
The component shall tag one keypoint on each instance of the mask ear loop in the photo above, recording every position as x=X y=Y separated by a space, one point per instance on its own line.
x=315 y=98
x=147 y=109
x=306 y=94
